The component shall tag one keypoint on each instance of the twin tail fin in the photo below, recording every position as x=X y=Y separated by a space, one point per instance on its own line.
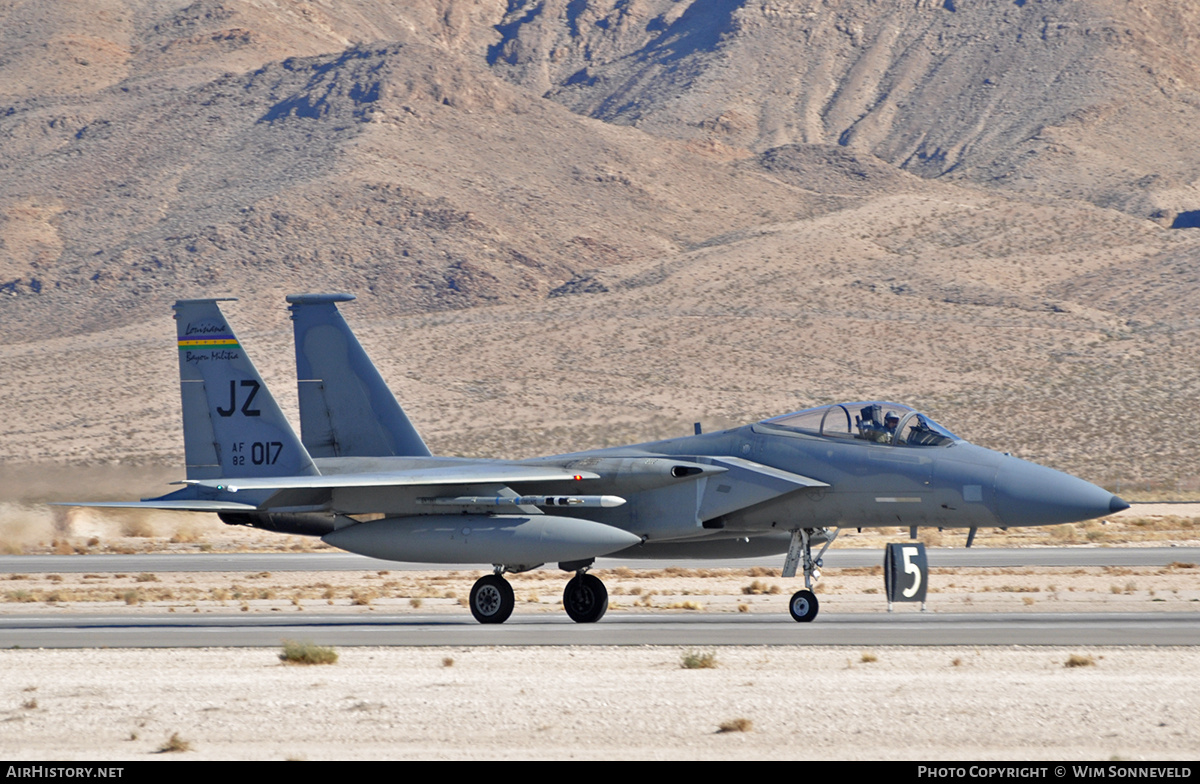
x=232 y=426
x=346 y=408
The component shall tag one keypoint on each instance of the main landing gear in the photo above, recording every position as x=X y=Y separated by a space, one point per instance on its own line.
x=585 y=598
x=804 y=604
x=492 y=599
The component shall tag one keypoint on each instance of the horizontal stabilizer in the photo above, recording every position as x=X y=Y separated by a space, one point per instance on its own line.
x=173 y=506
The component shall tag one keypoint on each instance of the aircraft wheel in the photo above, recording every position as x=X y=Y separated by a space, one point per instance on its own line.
x=492 y=599
x=585 y=599
x=803 y=606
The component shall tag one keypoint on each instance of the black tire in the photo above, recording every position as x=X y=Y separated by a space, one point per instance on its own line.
x=803 y=606
x=492 y=599
x=585 y=599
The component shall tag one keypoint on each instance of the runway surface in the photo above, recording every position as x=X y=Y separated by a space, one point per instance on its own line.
x=347 y=562
x=901 y=628
x=906 y=626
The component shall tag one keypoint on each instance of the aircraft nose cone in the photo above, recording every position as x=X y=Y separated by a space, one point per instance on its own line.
x=1030 y=494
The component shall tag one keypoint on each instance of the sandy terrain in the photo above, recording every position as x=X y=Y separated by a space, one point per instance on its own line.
x=605 y=703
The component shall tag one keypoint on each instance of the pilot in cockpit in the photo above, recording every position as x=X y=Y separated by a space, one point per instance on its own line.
x=890 y=423
x=872 y=429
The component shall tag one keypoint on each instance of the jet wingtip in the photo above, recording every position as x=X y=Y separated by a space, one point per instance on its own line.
x=179 y=303
x=317 y=299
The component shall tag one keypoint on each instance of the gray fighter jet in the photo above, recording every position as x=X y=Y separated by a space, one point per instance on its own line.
x=362 y=479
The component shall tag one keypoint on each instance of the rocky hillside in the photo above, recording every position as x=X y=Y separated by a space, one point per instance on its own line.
x=406 y=169
x=1092 y=100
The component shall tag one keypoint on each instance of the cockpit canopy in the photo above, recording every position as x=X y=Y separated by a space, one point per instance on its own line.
x=875 y=421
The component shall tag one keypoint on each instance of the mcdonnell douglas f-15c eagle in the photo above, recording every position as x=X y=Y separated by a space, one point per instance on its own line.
x=783 y=485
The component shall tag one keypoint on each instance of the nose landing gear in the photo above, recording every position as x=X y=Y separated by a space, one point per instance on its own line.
x=804 y=604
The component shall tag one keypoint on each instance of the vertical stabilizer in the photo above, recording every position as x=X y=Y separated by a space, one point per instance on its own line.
x=346 y=409
x=232 y=426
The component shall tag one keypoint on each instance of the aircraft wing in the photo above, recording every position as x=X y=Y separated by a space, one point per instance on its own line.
x=473 y=474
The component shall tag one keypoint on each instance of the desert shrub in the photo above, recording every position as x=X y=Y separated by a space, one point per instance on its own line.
x=694 y=660
x=306 y=653
x=174 y=744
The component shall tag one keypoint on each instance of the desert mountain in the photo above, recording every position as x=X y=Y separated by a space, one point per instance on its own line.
x=1087 y=100
x=574 y=223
